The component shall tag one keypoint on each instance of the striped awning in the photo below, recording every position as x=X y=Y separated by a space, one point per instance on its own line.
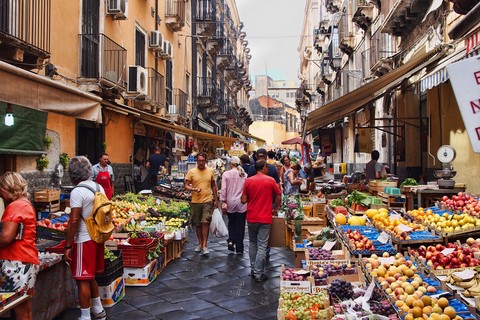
x=439 y=74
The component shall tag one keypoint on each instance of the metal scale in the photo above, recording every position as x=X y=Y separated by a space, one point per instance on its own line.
x=446 y=154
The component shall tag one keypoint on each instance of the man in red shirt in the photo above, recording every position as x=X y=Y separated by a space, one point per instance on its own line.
x=257 y=194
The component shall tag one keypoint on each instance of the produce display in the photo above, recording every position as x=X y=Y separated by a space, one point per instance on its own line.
x=358 y=201
x=298 y=306
x=320 y=273
x=327 y=234
x=292 y=207
x=364 y=240
x=290 y=274
x=471 y=284
x=172 y=192
x=319 y=254
x=340 y=290
x=453 y=257
x=443 y=221
x=462 y=202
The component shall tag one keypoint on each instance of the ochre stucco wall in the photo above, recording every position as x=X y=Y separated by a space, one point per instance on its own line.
x=65 y=127
x=119 y=136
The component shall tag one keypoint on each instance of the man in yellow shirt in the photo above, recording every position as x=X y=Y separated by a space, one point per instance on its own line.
x=201 y=181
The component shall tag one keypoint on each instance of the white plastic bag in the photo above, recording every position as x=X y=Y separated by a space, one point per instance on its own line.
x=217 y=226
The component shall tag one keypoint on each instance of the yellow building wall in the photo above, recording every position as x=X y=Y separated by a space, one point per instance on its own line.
x=118 y=136
x=65 y=127
x=451 y=130
x=273 y=132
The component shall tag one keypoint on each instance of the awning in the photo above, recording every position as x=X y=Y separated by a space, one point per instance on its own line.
x=186 y=131
x=439 y=74
x=27 y=89
x=260 y=141
x=357 y=98
x=120 y=108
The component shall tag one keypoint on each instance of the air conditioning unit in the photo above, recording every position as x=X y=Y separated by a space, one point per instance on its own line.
x=137 y=80
x=156 y=40
x=172 y=109
x=167 y=50
x=117 y=8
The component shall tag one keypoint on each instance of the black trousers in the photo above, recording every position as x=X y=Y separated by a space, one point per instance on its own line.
x=236 y=229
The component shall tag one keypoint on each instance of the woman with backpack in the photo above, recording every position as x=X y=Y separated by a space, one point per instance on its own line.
x=85 y=256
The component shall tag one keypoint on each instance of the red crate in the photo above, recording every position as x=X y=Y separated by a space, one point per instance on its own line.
x=59 y=248
x=135 y=254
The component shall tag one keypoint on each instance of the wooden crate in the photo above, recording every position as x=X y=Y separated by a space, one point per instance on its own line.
x=319 y=210
x=46 y=195
x=379 y=185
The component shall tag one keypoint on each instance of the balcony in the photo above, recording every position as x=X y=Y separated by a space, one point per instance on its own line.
x=347 y=44
x=225 y=57
x=175 y=14
x=404 y=16
x=154 y=101
x=381 y=61
x=102 y=65
x=204 y=92
x=362 y=19
x=215 y=43
x=333 y=6
x=25 y=32
x=205 y=18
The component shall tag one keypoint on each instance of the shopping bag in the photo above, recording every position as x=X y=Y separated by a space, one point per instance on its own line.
x=217 y=226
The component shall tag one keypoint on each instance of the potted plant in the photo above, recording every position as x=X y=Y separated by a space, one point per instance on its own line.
x=42 y=162
x=64 y=159
x=47 y=141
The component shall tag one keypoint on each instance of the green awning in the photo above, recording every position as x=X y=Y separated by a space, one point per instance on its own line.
x=27 y=134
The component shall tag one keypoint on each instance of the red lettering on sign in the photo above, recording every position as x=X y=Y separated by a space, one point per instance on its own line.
x=478 y=132
x=477 y=76
x=475 y=106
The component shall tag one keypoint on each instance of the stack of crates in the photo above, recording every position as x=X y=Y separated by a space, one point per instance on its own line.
x=46 y=201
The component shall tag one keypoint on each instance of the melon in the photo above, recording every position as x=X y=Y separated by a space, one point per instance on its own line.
x=340 y=219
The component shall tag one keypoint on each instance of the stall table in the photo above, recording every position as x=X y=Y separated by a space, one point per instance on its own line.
x=426 y=197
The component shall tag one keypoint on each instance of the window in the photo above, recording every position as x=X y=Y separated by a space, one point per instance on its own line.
x=169 y=82
x=140 y=43
x=187 y=81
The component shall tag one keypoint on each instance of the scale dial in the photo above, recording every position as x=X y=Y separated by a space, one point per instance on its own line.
x=446 y=154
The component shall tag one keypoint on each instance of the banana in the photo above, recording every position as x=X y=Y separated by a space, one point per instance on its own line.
x=473 y=291
x=457 y=279
x=467 y=284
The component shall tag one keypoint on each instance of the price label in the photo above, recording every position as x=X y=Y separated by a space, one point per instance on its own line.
x=466 y=274
x=143 y=223
x=329 y=245
x=404 y=228
x=395 y=216
x=388 y=260
x=447 y=251
x=301 y=272
x=383 y=237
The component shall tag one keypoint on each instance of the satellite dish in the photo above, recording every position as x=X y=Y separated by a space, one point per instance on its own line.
x=59 y=170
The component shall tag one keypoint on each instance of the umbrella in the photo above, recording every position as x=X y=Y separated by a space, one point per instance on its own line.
x=295 y=140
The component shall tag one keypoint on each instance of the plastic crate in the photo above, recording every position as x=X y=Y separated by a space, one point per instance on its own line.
x=59 y=248
x=135 y=254
x=112 y=270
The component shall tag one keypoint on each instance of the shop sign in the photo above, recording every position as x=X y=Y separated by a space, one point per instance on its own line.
x=180 y=142
x=237 y=145
x=139 y=129
x=465 y=78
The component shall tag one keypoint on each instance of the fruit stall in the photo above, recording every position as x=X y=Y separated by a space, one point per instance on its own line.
x=149 y=233
x=408 y=264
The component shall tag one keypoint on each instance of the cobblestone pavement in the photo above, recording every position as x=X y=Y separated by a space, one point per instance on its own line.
x=199 y=287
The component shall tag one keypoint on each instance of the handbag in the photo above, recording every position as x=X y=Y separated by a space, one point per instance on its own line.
x=304 y=186
x=217 y=226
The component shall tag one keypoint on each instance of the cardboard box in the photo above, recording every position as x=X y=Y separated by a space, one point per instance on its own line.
x=299 y=256
x=113 y=293
x=140 y=276
x=319 y=210
x=278 y=233
x=296 y=286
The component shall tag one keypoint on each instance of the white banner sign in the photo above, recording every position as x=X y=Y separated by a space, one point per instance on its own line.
x=465 y=79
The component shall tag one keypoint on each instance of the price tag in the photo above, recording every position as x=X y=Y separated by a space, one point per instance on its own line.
x=143 y=223
x=466 y=274
x=395 y=216
x=405 y=228
x=447 y=251
x=133 y=222
x=329 y=245
x=301 y=272
x=383 y=237
x=388 y=260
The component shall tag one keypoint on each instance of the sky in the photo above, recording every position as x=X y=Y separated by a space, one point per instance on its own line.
x=273 y=30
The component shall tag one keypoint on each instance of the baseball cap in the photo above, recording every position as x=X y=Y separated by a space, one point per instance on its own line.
x=261 y=152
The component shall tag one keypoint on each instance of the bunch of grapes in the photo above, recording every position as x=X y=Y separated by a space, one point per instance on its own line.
x=156 y=234
x=340 y=289
x=377 y=295
x=383 y=308
x=140 y=234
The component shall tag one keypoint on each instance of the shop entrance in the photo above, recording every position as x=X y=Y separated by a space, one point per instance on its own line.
x=89 y=140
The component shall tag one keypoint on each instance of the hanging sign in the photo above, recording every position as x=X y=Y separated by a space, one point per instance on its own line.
x=180 y=142
x=139 y=129
x=465 y=78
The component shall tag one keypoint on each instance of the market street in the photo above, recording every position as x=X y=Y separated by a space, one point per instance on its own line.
x=198 y=287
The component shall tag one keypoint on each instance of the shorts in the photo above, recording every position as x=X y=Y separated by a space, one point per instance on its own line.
x=87 y=260
x=17 y=275
x=201 y=213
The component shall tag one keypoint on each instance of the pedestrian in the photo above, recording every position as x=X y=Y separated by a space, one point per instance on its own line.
x=103 y=175
x=307 y=173
x=272 y=170
x=201 y=181
x=292 y=180
x=230 y=197
x=85 y=256
x=373 y=168
x=259 y=192
x=19 y=264
x=271 y=157
x=245 y=162
x=285 y=161
x=154 y=162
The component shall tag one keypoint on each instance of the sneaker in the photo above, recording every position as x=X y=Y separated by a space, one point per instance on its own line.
x=205 y=250
x=99 y=316
x=262 y=278
x=198 y=248
x=230 y=246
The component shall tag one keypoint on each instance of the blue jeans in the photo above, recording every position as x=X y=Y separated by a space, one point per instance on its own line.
x=258 y=234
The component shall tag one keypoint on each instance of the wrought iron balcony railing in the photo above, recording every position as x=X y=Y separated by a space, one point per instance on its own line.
x=175 y=14
x=156 y=88
x=205 y=87
x=25 y=27
x=180 y=102
x=103 y=59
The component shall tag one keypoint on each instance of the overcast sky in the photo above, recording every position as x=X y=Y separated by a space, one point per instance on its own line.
x=273 y=30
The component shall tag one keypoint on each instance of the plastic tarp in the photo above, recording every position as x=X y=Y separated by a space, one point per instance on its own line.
x=27 y=134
